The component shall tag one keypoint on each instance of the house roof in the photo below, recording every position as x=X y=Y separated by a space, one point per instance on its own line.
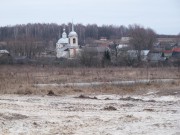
x=135 y=52
x=167 y=51
x=176 y=49
x=120 y=46
x=3 y=51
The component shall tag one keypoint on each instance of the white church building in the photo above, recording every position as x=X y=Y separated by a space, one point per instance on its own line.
x=67 y=47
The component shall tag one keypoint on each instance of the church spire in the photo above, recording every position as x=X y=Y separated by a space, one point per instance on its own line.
x=72 y=26
x=72 y=33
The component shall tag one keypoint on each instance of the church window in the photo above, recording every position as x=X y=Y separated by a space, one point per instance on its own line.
x=74 y=40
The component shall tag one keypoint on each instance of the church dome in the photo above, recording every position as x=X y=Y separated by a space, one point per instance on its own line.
x=72 y=33
x=64 y=39
x=64 y=35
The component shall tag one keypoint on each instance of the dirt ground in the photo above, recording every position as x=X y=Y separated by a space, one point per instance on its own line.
x=151 y=113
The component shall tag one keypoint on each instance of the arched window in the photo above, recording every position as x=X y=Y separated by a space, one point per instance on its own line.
x=74 y=40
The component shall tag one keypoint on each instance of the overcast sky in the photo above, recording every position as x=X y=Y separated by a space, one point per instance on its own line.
x=161 y=15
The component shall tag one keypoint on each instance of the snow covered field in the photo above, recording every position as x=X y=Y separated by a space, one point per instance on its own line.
x=147 y=114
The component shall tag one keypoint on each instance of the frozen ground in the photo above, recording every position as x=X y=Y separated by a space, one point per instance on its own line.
x=148 y=114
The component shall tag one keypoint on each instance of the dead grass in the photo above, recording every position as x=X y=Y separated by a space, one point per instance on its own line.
x=20 y=79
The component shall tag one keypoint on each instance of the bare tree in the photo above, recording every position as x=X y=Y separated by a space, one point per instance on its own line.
x=141 y=39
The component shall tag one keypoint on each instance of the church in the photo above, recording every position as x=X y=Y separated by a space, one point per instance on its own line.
x=67 y=47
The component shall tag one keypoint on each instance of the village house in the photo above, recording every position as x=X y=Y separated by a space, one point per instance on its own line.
x=155 y=56
x=5 y=57
x=175 y=56
x=167 y=53
x=2 y=52
x=176 y=53
x=133 y=54
x=125 y=40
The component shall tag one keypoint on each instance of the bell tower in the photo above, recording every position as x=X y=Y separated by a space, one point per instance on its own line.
x=73 y=37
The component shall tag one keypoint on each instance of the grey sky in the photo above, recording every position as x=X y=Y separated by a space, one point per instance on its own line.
x=161 y=15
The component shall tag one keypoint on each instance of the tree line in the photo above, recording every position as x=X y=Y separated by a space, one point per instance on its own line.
x=46 y=32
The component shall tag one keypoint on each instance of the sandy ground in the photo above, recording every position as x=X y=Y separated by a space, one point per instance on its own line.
x=147 y=114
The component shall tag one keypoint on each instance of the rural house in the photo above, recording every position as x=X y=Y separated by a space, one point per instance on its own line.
x=5 y=57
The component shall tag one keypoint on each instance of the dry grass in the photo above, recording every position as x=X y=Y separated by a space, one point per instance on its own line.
x=20 y=79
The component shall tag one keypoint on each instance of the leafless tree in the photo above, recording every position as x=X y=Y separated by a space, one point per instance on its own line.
x=141 y=39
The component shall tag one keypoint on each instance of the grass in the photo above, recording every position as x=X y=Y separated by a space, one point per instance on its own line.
x=20 y=79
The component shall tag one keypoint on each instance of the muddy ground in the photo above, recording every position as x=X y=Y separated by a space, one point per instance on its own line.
x=151 y=113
